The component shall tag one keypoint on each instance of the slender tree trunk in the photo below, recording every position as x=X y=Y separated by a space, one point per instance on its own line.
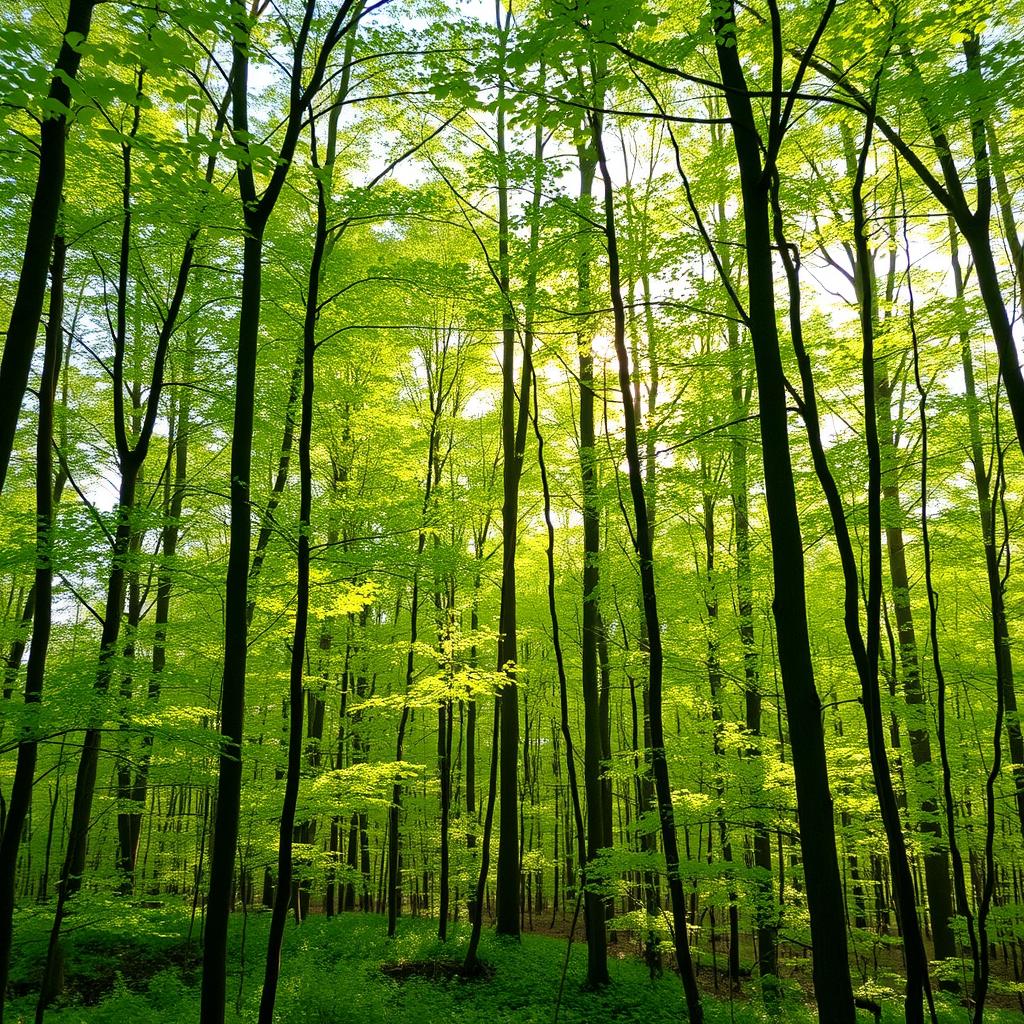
x=444 y=767
x=439 y=390
x=556 y=640
x=257 y=210
x=39 y=241
x=472 y=910
x=866 y=652
x=24 y=772
x=85 y=780
x=645 y=556
x=714 y=667
x=296 y=695
x=935 y=858
x=986 y=512
x=232 y=703
x=509 y=867
x=832 y=985
x=765 y=913
x=918 y=983
x=130 y=459
x=174 y=499
x=129 y=820
x=963 y=905
x=645 y=780
x=471 y=963
x=593 y=904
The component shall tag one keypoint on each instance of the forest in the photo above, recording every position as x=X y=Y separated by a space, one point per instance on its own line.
x=509 y=511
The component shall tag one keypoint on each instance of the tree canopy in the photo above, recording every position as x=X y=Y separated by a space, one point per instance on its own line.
x=551 y=465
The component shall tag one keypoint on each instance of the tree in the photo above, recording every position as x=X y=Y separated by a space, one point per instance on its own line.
x=833 y=990
x=23 y=324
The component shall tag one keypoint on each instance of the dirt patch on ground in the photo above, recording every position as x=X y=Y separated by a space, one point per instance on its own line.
x=437 y=970
x=87 y=981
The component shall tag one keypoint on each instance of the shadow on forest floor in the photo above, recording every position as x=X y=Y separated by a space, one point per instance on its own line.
x=88 y=980
x=437 y=970
x=124 y=966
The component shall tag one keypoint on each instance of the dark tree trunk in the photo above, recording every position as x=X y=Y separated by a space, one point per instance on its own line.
x=645 y=556
x=556 y=640
x=232 y=704
x=394 y=884
x=444 y=766
x=963 y=904
x=296 y=691
x=471 y=708
x=936 y=860
x=832 y=985
x=471 y=963
x=986 y=511
x=714 y=667
x=508 y=869
x=866 y=652
x=24 y=772
x=257 y=210
x=28 y=300
x=918 y=983
x=593 y=904
x=765 y=914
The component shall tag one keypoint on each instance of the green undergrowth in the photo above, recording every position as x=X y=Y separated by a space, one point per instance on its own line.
x=332 y=974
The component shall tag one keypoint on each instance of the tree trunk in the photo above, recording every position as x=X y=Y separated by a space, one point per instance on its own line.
x=593 y=904
x=645 y=556
x=832 y=985
x=935 y=858
x=918 y=984
x=296 y=694
x=986 y=512
x=257 y=210
x=765 y=913
x=24 y=772
x=508 y=868
x=232 y=703
x=39 y=241
x=130 y=461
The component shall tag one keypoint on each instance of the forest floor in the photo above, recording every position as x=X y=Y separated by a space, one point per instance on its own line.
x=137 y=968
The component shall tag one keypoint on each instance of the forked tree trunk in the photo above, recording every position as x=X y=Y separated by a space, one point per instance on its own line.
x=257 y=210
x=130 y=460
x=296 y=690
x=832 y=985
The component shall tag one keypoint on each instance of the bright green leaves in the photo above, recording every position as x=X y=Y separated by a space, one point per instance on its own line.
x=359 y=787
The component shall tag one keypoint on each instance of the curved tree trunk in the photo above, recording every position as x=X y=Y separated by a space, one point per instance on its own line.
x=645 y=556
x=39 y=242
x=982 y=482
x=257 y=210
x=832 y=986
x=296 y=690
x=24 y=772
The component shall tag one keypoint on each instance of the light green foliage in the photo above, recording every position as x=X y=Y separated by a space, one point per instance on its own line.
x=407 y=487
